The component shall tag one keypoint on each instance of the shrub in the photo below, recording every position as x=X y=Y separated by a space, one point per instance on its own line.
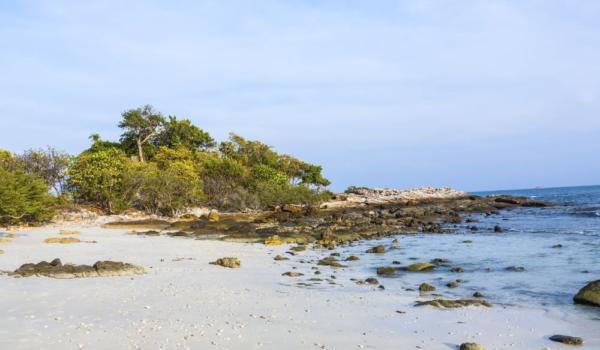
x=24 y=198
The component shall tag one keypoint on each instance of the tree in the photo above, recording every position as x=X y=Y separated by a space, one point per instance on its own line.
x=97 y=177
x=8 y=161
x=23 y=198
x=182 y=133
x=49 y=164
x=140 y=125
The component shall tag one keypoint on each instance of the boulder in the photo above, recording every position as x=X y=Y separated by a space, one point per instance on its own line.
x=566 y=339
x=419 y=267
x=386 y=270
x=229 y=262
x=589 y=295
x=376 y=250
x=426 y=287
x=471 y=346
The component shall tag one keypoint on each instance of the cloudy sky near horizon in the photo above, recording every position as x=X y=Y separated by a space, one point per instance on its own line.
x=470 y=94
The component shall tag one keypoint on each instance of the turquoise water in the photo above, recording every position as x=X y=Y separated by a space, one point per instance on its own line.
x=551 y=276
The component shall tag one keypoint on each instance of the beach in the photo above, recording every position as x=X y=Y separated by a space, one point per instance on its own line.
x=183 y=302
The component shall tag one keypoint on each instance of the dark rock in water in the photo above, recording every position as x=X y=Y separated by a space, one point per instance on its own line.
x=439 y=261
x=376 y=250
x=457 y=269
x=386 y=270
x=292 y=274
x=381 y=287
x=420 y=267
x=515 y=268
x=352 y=258
x=478 y=295
x=330 y=261
x=557 y=246
x=279 y=258
x=473 y=228
x=589 y=295
x=467 y=241
x=229 y=262
x=396 y=262
x=471 y=346
x=371 y=280
x=56 y=269
x=317 y=272
x=498 y=229
x=334 y=254
x=298 y=248
x=426 y=287
x=452 y=284
x=565 y=339
x=447 y=303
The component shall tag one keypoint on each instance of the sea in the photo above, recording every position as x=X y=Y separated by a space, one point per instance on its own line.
x=558 y=249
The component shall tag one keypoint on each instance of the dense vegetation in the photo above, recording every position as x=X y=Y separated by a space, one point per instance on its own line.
x=159 y=165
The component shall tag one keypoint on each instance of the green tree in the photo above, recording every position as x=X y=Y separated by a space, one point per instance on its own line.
x=49 y=164
x=182 y=133
x=97 y=177
x=24 y=198
x=8 y=161
x=141 y=125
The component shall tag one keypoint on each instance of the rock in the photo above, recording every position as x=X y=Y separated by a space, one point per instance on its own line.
x=565 y=339
x=229 y=262
x=371 y=280
x=515 y=268
x=376 y=250
x=56 y=269
x=419 y=267
x=273 y=240
x=330 y=261
x=386 y=270
x=447 y=303
x=396 y=262
x=352 y=258
x=557 y=246
x=467 y=241
x=67 y=232
x=439 y=261
x=62 y=240
x=452 y=284
x=471 y=346
x=292 y=208
x=457 y=269
x=213 y=216
x=589 y=295
x=292 y=274
x=426 y=287
x=298 y=248
x=498 y=229
x=279 y=258
x=478 y=295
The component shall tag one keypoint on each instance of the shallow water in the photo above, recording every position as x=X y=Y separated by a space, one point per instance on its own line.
x=552 y=276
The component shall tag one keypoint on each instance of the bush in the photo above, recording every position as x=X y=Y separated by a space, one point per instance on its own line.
x=24 y=198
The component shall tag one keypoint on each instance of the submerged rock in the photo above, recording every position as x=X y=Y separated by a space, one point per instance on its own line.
x=376 y=250
x=386 y=270
x=515 y=268
x=589 y=295
x=471 y=346
x=439 y=261
x=426 y=287
x=56 y=269
x=229 y=262
x=457 y=269
x=447 y=303
x=371 y=280
x=419 y=267
x=452 y=284
x=478 y=295
x=565 y=339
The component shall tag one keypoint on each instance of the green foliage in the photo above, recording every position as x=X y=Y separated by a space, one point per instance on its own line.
x=49 y=164
x=8 y=161
x=183 y=134
x=140 y=125
x=222 y=178
x=96 y=177
x=23 y=198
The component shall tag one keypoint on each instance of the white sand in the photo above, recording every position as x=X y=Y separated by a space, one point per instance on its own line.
x=189 y=304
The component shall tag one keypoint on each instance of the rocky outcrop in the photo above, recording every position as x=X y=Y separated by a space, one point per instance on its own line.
x=589 y=295
x=56 y=269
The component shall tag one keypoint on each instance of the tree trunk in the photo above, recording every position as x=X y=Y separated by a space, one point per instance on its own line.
x=140 y=151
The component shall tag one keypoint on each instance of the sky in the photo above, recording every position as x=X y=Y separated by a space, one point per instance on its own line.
x=476 y=95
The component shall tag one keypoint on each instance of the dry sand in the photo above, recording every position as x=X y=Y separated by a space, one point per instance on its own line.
x=186 y=303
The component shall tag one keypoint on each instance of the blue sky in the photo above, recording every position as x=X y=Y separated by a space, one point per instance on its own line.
x=470 y=94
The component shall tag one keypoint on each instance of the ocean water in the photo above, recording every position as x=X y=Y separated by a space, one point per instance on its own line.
x=551 y=276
